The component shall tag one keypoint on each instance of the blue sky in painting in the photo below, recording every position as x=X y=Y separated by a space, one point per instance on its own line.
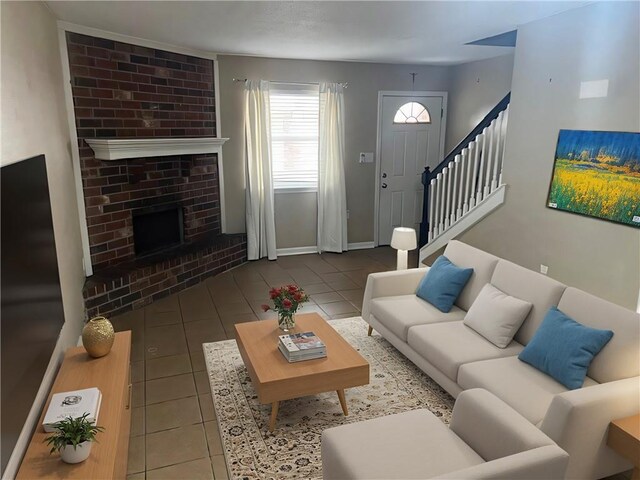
x=625 y=146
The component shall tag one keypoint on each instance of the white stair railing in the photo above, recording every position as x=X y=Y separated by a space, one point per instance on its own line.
x=469 y=179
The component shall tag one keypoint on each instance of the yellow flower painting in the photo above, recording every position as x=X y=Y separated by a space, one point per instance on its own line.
x=597 y=174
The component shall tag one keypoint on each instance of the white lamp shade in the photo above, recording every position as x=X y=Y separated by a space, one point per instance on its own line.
x=404 y=238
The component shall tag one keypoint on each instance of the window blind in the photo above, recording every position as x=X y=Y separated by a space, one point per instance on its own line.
x=294 y=136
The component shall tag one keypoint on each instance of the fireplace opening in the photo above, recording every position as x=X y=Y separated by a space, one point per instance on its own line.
x=157 y=228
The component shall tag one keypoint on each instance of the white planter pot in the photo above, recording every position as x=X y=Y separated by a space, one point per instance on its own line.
x=76 y=455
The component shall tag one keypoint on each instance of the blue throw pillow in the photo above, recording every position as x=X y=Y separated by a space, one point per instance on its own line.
x=443 y=283
x=564 y=348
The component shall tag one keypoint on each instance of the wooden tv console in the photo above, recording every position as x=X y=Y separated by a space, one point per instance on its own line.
x=111 y=374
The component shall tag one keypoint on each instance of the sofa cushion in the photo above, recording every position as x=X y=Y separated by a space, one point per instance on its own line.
x=564 y=348
x=620 y=358
x=543 y=292
x=527 y=390
x=496 y=316
x=448 y=345
x=483 y=264
x=414 y=444
x=401 y=312
x=443 y=283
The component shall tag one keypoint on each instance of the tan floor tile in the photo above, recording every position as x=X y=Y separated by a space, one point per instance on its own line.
x=166 y=304
x=165 y=341
x=255 y=290
x=206 y=407
x=343 y=315
x=304 y=276
x=136 y=476
x=172 y=414
x=197 y=359
x=246 y=274
x=352 y=295
x=196 y=304
x=200 y=469
x=317 y=288
x=310 y=308
x=338 y=281
x=137 y=372
x=219 y=467
x=174 y=446
x=137 y=394
x=131 y=320
x=213 y=438
x=168 y=366
x=338 y=308
x=136 y=460
x=159 y=319
x=169 y=388
x=204 y=331
x=228 y=309
x=137 y=421
x=202 y=382
x=239 y=318
x=329 y=297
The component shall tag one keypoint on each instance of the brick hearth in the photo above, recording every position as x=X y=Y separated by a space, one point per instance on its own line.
x=123 y=91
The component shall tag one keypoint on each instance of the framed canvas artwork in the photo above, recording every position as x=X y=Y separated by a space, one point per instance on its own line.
x=597 y=174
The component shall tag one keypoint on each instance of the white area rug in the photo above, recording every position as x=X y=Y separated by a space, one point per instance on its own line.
x=293 y=449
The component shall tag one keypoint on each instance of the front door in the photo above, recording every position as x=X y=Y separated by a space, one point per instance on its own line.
x=410 y=128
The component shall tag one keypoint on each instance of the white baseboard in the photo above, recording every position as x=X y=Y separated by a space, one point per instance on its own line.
x=283 y=252
x=361 y=245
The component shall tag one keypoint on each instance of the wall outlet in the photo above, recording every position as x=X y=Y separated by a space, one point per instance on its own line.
x=543 y=269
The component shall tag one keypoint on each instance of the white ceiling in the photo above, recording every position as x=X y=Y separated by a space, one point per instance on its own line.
x=426 y=32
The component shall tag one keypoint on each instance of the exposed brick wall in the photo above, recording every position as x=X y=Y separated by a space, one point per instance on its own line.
x=138 y=287
x=123 y=91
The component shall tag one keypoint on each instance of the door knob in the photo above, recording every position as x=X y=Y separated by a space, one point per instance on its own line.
x=384 y=185
x=384 y=175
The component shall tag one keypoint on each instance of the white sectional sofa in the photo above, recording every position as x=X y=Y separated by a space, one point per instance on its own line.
x=459 y=359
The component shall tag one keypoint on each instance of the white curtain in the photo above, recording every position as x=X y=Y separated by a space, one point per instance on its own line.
x=332 y=197
x=261 y=229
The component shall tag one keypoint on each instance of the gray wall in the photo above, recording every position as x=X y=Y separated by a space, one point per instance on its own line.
x=34 y=121
x=599 y=41
x=361 y=104
x=475 y=88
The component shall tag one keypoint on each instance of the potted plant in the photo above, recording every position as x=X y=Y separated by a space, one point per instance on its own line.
x=73 y=438
x=286 y=301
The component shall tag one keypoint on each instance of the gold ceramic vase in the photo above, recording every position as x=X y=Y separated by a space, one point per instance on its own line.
x=98 y=336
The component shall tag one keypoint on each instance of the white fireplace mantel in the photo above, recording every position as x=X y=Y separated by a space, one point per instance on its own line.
x=119 y=149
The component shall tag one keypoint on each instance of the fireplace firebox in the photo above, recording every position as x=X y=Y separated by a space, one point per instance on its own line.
x=157 y=228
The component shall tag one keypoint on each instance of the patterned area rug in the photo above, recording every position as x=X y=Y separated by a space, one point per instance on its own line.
x=293 y=449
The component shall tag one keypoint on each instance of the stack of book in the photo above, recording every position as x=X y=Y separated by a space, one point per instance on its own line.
x=301 y=346
x=73 y=404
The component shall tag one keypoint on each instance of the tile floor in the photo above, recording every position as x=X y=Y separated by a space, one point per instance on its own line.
x=174 y=433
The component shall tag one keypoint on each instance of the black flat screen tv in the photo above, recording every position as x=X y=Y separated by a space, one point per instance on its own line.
x=31 y=314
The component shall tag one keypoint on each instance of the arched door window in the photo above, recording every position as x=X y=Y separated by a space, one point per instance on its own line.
x=412 y=112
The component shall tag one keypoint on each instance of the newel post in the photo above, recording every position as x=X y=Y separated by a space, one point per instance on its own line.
x=424 y=225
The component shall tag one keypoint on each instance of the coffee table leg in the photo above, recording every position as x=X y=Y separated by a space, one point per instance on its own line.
x=274 y=415
x=343 y=402
x=370 y=330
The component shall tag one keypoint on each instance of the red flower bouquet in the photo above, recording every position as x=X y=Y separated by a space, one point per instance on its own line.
x=286 y=301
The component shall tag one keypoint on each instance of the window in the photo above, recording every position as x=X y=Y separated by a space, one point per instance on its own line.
x=412 y=112
x=294 y=136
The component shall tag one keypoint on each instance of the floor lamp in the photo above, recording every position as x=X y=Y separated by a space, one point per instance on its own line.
x=403 y=240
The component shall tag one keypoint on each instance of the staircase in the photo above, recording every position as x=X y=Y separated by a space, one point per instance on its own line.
x=467 y=185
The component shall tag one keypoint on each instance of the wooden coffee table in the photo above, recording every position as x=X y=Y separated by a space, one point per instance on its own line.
x=275 y=379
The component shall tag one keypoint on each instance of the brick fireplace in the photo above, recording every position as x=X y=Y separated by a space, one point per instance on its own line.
x=153 y=222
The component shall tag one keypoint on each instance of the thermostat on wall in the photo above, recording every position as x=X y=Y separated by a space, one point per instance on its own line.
x=366 y=157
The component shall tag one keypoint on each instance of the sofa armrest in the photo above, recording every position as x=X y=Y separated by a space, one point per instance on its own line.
x=491 y=427
x=387 y=284
x=578 y=421
x=542 y=463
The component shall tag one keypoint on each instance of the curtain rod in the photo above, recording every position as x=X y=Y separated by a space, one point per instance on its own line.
x=344 y=84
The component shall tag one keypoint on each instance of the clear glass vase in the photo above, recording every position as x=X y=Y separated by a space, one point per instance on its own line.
x=286 y=321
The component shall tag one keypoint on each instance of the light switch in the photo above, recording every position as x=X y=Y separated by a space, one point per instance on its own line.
x=366 y=157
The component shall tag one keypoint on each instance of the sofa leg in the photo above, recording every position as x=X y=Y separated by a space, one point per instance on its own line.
x=370 y=330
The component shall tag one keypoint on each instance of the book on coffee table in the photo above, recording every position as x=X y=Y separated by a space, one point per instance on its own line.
x=301 y=346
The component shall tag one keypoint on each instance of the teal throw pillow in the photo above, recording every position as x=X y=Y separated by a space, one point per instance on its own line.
x=564 y=348
x=443 y=283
